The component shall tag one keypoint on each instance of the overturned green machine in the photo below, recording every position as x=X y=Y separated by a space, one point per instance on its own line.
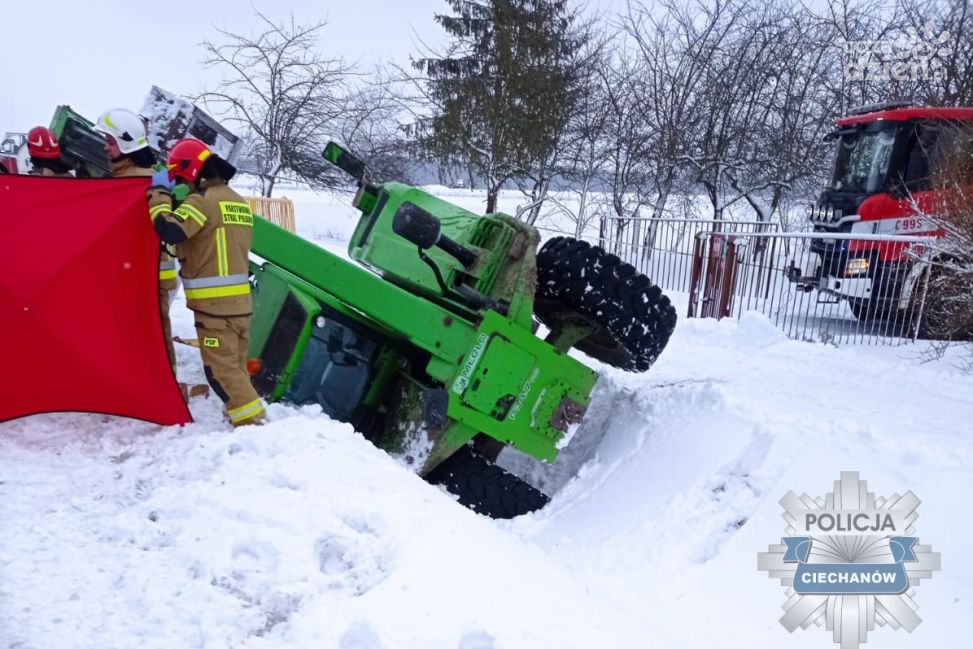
x=427 y=346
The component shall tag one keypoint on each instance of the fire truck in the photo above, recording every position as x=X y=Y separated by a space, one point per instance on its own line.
x=881 y=185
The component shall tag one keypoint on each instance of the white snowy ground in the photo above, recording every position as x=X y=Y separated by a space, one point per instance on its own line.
x=300 y=534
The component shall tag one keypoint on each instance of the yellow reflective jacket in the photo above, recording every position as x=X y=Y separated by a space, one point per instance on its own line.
x=214 y=258
x=125 y=168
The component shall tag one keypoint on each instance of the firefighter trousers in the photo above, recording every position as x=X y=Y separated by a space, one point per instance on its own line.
x=223 y=346
x=167 y=327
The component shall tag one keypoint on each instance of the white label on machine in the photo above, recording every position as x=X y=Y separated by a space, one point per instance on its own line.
x=463 y=380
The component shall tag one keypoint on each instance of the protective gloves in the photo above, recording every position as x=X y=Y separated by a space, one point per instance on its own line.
x=161 y=179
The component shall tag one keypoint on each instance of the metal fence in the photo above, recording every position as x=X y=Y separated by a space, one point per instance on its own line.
x=663 y=249
x=841 y=288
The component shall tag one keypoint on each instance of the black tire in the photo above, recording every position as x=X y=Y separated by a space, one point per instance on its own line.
x=863 y=309
x=868 y=311
x=484 y=487
x=631 y=317
x=934 y=324
x=939 y=321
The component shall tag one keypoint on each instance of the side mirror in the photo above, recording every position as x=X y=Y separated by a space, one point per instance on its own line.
x=344 y=160
x=415 y=224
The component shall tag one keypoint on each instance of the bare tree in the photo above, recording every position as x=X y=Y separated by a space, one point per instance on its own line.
x=628 y=144
x=941 y=34
x=855 y=25
x=783 y=151
x=374 y=126
x=584 y=155
x=673 y=58
x=284 y=94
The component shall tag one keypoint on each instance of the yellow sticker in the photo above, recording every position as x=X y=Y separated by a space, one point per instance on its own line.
x=211 y=342
x=236 y=213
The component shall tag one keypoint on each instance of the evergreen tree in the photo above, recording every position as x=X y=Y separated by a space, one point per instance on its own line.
x=504 y=91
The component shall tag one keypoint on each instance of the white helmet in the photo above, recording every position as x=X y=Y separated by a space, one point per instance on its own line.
x=126 y=127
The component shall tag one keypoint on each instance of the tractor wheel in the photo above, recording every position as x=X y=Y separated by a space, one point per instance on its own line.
x=484 y=487
x=630 y=318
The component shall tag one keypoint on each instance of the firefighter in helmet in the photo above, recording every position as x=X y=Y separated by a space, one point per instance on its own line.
x=127 y=146
x=212 y=230
x=126 y=143
x=45 y=154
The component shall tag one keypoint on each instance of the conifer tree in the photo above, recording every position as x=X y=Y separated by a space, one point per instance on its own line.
x=503 y=91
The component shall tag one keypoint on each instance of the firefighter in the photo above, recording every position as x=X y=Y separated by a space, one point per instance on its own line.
x=126 y=143
x=45 y=154
x=127 y=146
x=212 y=230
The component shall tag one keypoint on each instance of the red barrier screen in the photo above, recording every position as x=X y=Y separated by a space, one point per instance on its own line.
x=80 y=328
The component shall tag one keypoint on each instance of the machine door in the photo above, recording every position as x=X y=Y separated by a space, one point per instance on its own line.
x=335 y=369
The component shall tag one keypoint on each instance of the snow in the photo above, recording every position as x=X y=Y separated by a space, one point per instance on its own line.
x=299 y=533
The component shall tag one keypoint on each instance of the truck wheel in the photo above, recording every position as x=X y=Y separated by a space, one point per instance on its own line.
x=940 y=321
x=580 y=283
x=934 y=324
x=863 y=310
x=867 y=311
x=484 y=487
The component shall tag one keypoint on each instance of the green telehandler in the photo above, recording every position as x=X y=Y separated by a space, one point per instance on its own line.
x=427 y=346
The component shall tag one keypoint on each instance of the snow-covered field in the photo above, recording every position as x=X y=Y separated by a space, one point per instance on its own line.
x=117 y=534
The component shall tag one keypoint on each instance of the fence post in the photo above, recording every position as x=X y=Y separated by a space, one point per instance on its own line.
x=695 y=273
x=714 y=275
x=728 y=272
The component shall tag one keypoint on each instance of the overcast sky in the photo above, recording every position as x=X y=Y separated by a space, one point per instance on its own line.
x=98 y=54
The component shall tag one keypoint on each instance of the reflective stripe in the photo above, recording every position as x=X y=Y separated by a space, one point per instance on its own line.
x=167 y=274
x=165 y=265
x=246 y=411
x=206 y=282
x=161 y=208
x=188 y=211
x=217 y=291
x=222 y=263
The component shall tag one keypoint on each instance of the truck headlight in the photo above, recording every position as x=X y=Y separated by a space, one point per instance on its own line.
x=856 y=267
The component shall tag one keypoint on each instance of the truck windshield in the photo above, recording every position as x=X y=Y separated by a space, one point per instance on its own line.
x=334 y=370
x=862 y=164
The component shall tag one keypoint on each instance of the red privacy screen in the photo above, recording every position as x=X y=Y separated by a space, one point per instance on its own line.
x=80 y=328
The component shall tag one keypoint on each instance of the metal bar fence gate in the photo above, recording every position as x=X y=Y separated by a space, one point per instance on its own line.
x=841 y=288
x=664 y=249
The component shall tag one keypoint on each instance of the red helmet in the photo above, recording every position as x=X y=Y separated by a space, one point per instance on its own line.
x=41 y=143
x=186 y=160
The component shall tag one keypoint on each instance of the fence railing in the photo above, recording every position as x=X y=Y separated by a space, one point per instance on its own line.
x=832 y=287
x=842 y=288
x=663 y=249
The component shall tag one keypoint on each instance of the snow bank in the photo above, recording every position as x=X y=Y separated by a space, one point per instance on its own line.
x=684 y=488
x=296 y=534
